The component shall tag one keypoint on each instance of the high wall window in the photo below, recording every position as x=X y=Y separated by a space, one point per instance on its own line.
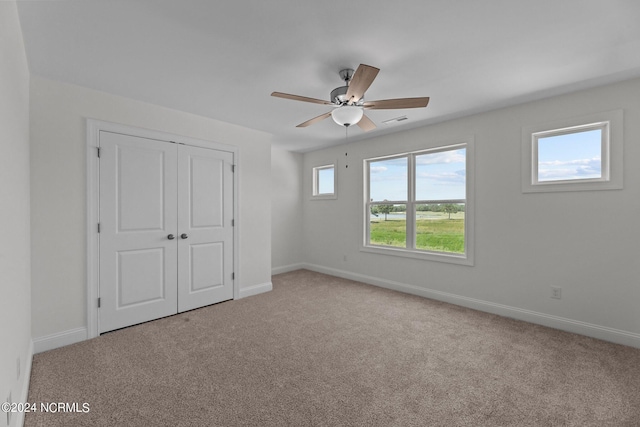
x=584 y=153
x=418 y=204
x=573 y=154
x=324 y=182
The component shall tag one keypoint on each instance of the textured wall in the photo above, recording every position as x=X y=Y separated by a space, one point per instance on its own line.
x=58 y=138
x=286 y=209
x=15 y=286
x=585 y=242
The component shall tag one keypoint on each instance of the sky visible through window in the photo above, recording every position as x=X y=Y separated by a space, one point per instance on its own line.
x=325 y=181
x=571 y=156
x=439 y=176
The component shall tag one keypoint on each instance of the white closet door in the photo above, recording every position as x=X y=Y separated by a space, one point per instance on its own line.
x=205 y=214
x=138 y=218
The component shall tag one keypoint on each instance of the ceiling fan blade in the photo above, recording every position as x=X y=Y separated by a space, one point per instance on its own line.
x=300 y=98
x=360 y=82
x=314 y=120
x=391 y=104
x=366 y=124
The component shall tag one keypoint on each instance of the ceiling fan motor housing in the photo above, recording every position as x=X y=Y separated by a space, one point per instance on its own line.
x=339 y=96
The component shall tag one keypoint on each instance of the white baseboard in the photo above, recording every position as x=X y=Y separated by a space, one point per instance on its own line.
x=24 y=387
x=255 y=289
x=287 y=268
x=576 y=326
x=73 y=336
x=60 y=339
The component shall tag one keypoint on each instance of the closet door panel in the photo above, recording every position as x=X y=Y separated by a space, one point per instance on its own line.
x=138 y=211
x=205 y=215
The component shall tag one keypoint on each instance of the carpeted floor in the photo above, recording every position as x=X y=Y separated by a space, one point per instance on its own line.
x=323 y=351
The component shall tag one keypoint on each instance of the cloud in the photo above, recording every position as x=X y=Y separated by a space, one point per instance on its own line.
x=443 y=157
x=570 y=169
x=378 y=169
x=595 y=161
x=444 y=178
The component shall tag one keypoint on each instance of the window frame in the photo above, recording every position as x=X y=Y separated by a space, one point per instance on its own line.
x=410 y=251
x=611 y=146
x=315 y=182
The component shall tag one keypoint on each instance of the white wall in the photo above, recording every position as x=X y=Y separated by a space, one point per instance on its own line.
x=15 y=286
x=58 y=139
x=585 y=242
x=286 y=210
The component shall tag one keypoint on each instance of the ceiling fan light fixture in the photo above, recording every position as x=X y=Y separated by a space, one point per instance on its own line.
x=347 y=115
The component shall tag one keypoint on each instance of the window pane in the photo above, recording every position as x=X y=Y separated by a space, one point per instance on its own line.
x=388 y=225
x=571 y=156
x=441 y=175
x=388 y=180
x=325 y=180
x=440 y=227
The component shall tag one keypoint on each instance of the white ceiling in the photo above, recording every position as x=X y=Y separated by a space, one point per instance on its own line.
x=223 y=58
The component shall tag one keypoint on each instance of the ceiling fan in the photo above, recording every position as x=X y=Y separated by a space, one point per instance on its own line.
x=348 y=100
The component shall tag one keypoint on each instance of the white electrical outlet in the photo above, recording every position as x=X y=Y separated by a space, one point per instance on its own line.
x=556 y=293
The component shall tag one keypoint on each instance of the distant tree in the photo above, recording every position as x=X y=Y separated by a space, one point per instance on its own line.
x=385 y=209
x=450 y=208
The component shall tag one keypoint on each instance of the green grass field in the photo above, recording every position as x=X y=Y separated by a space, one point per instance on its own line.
x=438 y=233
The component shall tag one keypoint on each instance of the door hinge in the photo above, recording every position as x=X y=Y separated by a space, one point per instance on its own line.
x=98 y=302
x=233 y=276
x=233 y=222
x=233 y=168
x=98 y=227
x=98 y=151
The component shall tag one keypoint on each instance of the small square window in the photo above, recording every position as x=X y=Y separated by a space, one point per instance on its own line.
x=584 y=153
x=324 y=182
x=566 y=155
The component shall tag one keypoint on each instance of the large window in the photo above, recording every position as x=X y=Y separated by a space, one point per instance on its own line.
x=418 y=204
x=584 y=153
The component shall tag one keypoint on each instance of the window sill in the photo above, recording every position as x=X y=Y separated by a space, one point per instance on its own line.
x=324 y=197
x=550 y=187
x=460 y=259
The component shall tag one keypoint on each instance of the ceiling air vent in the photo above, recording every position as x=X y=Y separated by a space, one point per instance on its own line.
x=397 y=119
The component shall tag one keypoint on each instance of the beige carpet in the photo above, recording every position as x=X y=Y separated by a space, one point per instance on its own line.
x=323 y=351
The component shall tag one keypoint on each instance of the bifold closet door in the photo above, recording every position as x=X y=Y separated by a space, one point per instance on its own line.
x=205 y=224
x=138 y=230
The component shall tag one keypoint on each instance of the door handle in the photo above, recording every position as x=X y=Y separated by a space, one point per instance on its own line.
x=171 y=237
x=184 y=235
